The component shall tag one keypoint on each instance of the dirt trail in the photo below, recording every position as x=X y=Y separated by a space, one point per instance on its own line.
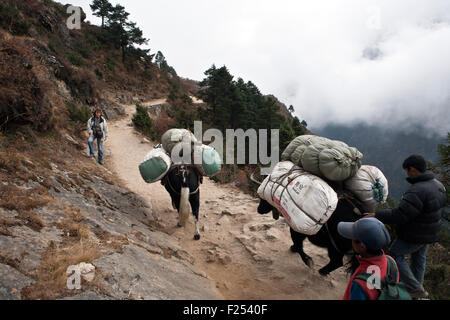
x=246 y=254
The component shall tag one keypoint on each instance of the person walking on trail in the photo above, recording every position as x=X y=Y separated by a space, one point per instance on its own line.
x=369 y=236
x=418 y=223
x=98 y=129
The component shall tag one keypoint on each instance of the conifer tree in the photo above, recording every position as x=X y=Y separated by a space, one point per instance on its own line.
x=102 y=9
x=125 y=33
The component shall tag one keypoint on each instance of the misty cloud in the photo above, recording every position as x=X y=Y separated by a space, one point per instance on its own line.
x=352 y=61
x=372 y=53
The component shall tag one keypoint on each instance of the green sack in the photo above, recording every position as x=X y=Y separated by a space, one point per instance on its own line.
x=174 y=136
x=333 y=160
x=211 y=162
x=335 y=165
x=295 y=149
x=155 y=165
x=390 y=288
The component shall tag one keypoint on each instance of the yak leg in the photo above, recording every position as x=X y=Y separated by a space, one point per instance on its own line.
x=175 y=201
x=195 y=205
x=298 y=239
x=336 y=261
x=264 y=207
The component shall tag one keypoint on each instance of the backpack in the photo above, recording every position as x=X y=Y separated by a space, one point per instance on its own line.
x=97 y=129
x=390 y=288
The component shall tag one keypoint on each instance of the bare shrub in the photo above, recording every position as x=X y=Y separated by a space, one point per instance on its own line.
x=162 y=124
x=82 y=83
x=23 y=98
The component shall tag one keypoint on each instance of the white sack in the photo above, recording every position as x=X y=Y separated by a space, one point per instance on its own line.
x=305 y=200
x=369 y=185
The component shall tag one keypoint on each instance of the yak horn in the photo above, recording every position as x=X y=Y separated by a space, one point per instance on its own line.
x=252 y=177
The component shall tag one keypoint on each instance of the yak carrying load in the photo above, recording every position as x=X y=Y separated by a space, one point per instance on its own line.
x=299 y=186
x=158 y=161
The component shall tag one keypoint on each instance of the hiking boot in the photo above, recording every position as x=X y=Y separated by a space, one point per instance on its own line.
x=419 y=294
x=100 y=162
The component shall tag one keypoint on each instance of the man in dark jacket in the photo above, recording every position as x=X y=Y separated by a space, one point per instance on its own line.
x=418 y=223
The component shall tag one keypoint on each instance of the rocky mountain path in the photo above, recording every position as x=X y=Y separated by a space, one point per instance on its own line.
x=245 y=254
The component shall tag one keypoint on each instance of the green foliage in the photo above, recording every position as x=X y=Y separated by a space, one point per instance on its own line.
x=52 y=47
x=124 y=34
x=186 y=99
x=78 y=114
x=86 y=52
x=291 y=109
x=443 y=167
x=299 y=127
x=98 y=73
x=239 y=104
x=183 y=110
x=287 y=134
x=11 y=20
x=236 y=104
x=437 y=276
x=121 y=33
x=184 y=118
x=142 y=122
x=110 y=63
x=391 y=203
x=102 y=9
x=162 y=64
x=75 y=59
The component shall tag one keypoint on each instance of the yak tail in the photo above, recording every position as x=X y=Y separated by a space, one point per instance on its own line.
x=184 y=206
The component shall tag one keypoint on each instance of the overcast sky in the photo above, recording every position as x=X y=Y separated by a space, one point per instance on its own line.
x=381 y=62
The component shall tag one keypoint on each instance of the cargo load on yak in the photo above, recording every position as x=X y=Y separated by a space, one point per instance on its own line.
x=174 y=136
x=155 y=165
x=159 y=161
x=370 y=186
x=207 y=160
x=330 y=159
x=305 y=200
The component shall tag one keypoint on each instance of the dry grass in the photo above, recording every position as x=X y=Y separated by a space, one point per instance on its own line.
x=4 y=231
x=23 y=200
x=52 y=277
x=73 y=225
x=31 y=220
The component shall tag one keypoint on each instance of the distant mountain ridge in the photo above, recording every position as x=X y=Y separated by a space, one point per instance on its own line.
x=387 y=148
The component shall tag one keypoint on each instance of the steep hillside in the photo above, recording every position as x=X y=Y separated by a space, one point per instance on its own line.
x=46 y=66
